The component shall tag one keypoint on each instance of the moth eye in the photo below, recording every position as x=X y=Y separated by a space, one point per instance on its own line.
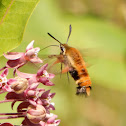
x=62 y=49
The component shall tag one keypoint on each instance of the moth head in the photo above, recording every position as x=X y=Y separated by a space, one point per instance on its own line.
x=63 y=47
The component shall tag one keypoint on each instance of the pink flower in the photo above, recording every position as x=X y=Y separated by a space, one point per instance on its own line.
x=50 y=120
x=18 y=59
x=31 y=94
x=36 y=113
x=37 y=116
x=4 y=83
x=46 y=100
x=35 y=106
x=35 y=103
x=42 y=76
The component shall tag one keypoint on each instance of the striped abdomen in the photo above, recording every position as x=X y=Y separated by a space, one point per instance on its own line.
x=83 y=81
x=79 y=72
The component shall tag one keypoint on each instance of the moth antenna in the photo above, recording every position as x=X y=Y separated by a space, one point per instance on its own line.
x=48 y=46
x=70 y=29
x=54 y=38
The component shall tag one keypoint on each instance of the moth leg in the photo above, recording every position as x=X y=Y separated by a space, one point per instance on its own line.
x=52 y=56
x=61 y=69
x=65 y=70
x=59 y=59
x=68 y=77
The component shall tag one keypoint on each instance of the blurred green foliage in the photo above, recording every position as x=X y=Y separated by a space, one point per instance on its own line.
x=95 y=28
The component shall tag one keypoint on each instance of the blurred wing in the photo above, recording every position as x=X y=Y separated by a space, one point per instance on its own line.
x=89 y=56
x=89 y=52
x=93 y=54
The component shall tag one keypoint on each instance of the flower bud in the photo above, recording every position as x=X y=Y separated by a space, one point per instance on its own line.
x=36 y=113
x=20 y=85
x=31 y=93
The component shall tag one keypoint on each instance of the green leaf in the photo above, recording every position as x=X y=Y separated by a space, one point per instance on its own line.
x=14 y=15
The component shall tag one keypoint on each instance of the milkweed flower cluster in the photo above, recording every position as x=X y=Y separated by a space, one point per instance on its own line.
x=35 y=103
x=18 y=59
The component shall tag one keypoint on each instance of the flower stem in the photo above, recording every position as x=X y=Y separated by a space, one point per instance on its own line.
x=10 y=117
x=7 y=101
x=12 y=113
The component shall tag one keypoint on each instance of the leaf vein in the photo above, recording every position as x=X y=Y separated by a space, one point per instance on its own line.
x=10 y=38
x=19 y=13
x=33 y=1
x=6 y=11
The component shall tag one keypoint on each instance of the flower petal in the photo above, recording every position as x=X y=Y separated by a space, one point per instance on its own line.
x=45 y=94
x=33 y=86
x=5 y=72
x=52 y=119
x=42 y=123
x=32 y=79
x=37 y=49
x=14 y=63
x=13 y=95
x=30 y=45
x=51 y=125
x=52 y=95
x=43 y=80
x=13 y=56
x=7 y=88
x=10 y=81
x=36 y=60
x=57 y=122
x=22 y=106
x=49 y=83
x=40 y=71
x=24 y=75
x=51 y=75
x=51 y=107
x=3 y=68
x=30 y=52
x=31 y=93
x=32 y=102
